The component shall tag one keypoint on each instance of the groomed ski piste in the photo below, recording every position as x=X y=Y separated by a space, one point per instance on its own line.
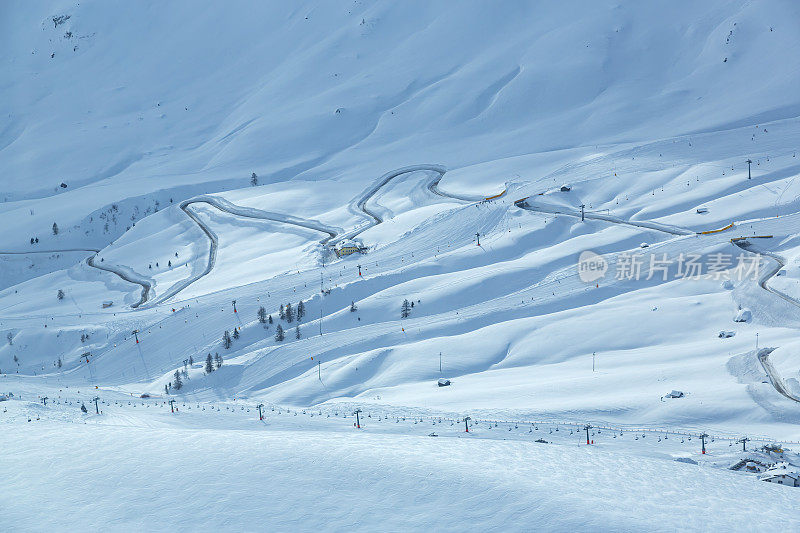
x=203 y=164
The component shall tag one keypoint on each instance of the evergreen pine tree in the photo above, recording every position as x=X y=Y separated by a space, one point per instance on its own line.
x=297 y=332
x=405 y=309
x=254 y=180
x=235 y=333
x=55 y=228
x=209 y=364
x=262 y=315
x=269 y=319
x=166 y=389
x=191 y=360
x=60 y=294
x=279 y=333
x=353 y=307
x=177 y=384
x=282 y=313
x=218 y=360
x=226 y=339
x=301 y=310
x=289 y=313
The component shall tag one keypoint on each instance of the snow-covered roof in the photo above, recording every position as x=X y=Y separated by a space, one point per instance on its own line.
x=782 y=469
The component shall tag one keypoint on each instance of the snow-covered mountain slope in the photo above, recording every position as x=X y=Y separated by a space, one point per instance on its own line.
x=213 y=159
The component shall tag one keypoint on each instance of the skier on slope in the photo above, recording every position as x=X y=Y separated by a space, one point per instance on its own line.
x=83 y=408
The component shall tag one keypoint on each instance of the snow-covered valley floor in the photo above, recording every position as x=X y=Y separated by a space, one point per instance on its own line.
x=215 y=465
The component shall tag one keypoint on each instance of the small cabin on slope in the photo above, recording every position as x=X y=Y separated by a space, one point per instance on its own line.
x=348 y=247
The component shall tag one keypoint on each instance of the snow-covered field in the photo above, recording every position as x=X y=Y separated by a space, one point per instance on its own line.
x=161 y=162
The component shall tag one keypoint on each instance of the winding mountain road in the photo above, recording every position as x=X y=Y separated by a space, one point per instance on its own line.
x=644 y=224
x=763 y=355
x=241 y=211
x=359 y=205
x=334 y=234
x=126 y=274
x=123 y=272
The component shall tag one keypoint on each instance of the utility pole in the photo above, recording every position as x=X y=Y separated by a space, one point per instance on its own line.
x=749 y=162
x=440 y=362
x=96 y=407
x=466 y=424
x=756 y=341
x=319 y=370
x=260 y=416
x=87 y=355
x=321 y=297
x=703 y=438
x=583 y=207
x=172 y=406
x=136 y=335
x=593 y=358
x=478 y=235
x=359 y=270
x=234 y=305
x=744 y=440
x=358 y=421
x=587 y=427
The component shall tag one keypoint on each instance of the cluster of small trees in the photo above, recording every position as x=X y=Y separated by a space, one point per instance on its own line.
x=227 y=340
x=288 y=313
x=177 y=382
x=280 y=335
x=263 y=317
x=213 y=363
